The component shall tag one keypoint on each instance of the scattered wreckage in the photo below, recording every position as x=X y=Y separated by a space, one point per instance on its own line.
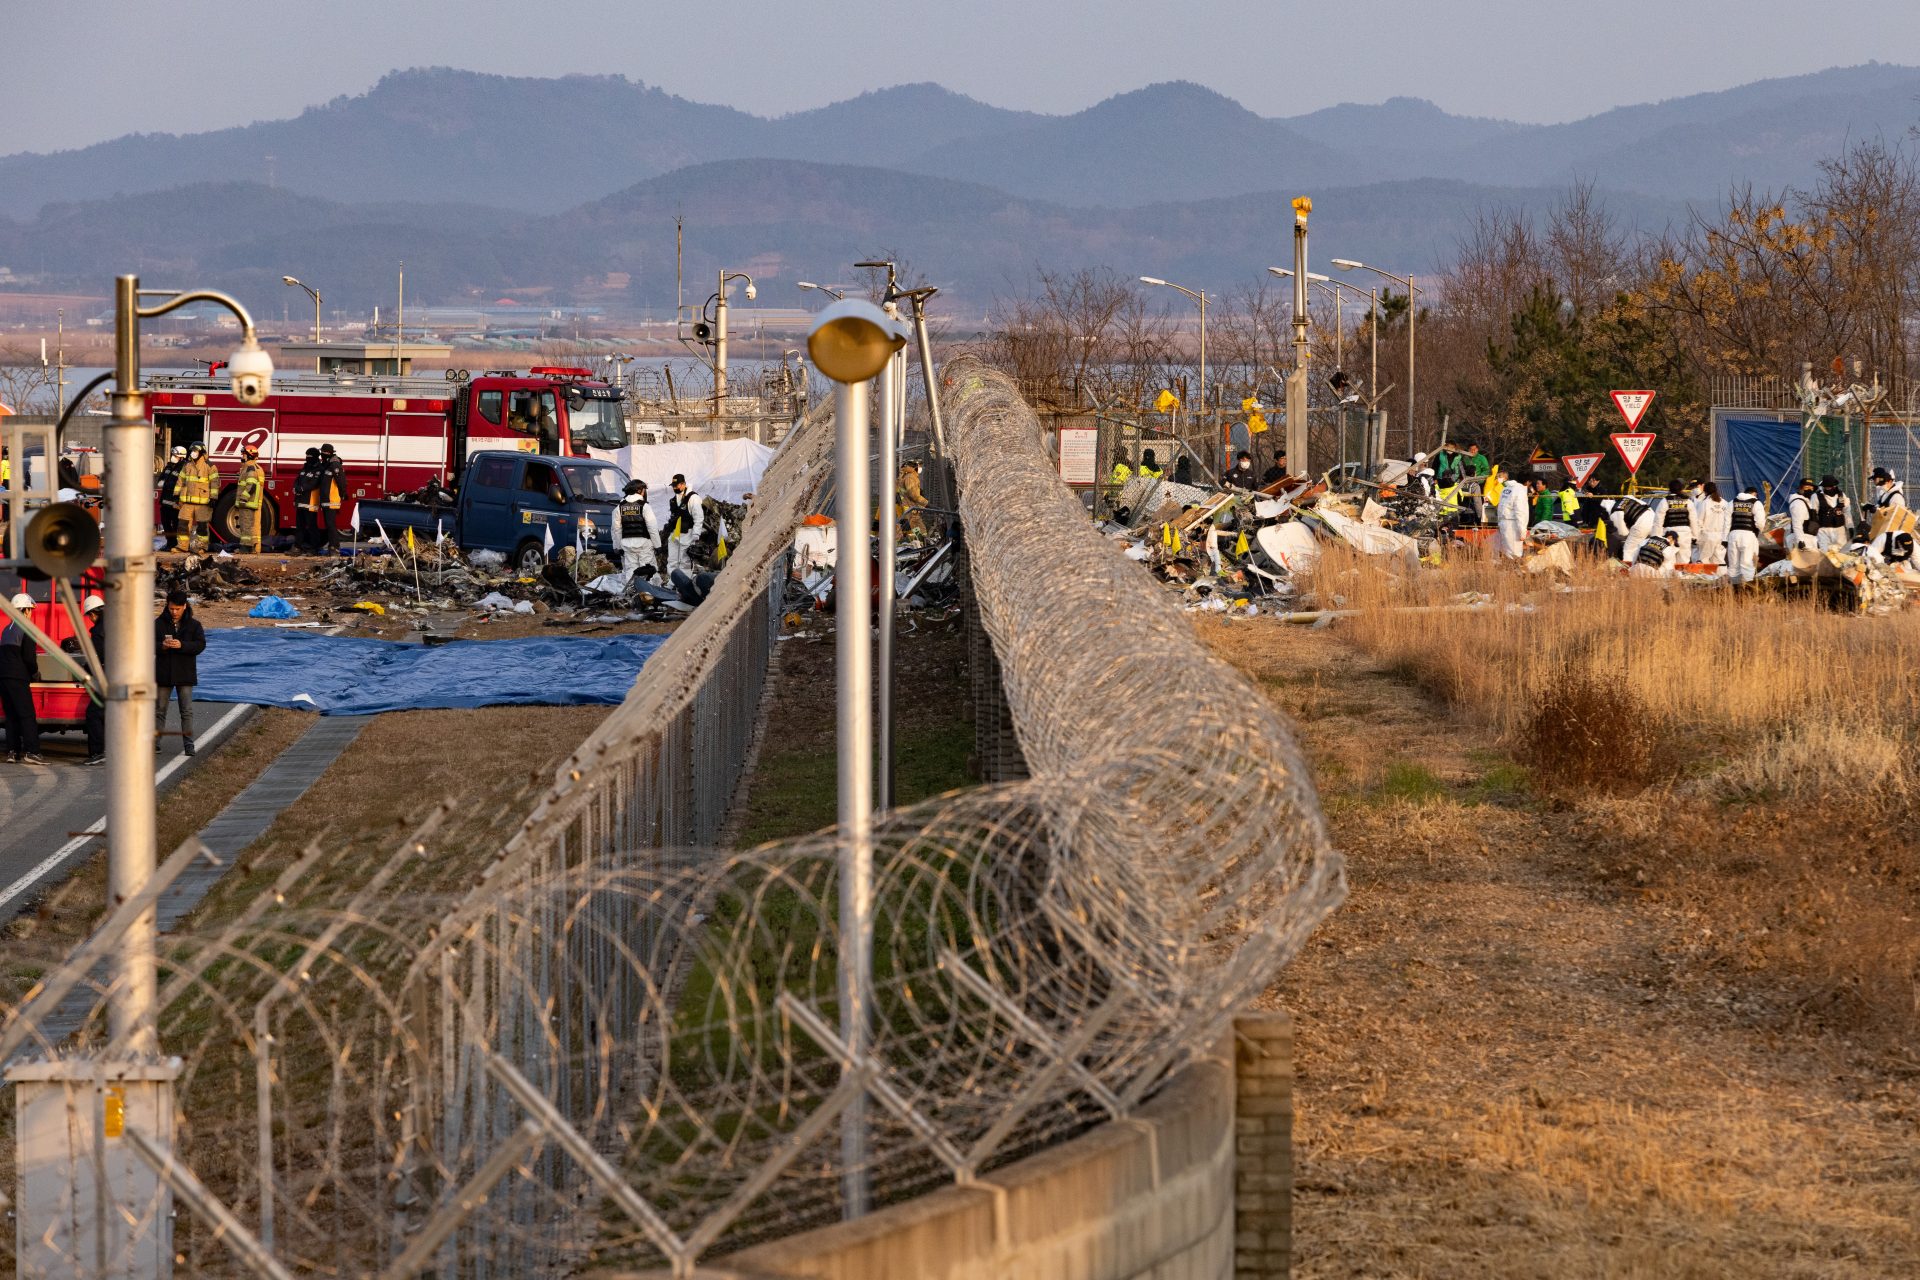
x=1246 y=550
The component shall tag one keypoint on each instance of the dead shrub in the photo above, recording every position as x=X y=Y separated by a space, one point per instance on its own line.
x=1815 y=760
x=1586 y=732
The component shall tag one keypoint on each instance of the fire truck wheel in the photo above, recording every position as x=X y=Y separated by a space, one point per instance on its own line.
x=529 y=559
x=223 y=528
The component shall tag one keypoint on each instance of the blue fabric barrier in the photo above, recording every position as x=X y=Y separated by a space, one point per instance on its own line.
x=1763 y=450
x=349 y=676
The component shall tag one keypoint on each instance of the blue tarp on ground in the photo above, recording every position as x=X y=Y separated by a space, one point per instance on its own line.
x=349 y=676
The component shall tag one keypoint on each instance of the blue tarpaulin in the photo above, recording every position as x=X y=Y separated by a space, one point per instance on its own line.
x=1761 y=452
x=350 y=676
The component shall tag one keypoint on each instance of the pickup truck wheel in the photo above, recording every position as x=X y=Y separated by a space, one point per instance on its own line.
x=529 y=559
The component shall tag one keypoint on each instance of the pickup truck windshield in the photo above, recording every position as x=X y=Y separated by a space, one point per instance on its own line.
x=604 y=483
x=597 y=424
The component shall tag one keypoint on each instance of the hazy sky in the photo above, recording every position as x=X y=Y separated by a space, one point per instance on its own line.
x=80 y=71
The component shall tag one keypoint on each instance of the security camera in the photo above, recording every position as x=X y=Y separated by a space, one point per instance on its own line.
x=250 y=373
x=751 y=294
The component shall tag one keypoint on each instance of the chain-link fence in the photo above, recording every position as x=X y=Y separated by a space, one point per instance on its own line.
x=620 y=1046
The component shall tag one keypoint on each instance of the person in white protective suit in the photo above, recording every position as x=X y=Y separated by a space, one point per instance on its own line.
x=686 y=521
x=1510 y=539
x=1887 y=496
x=1633 y=521
x=1677 y=521
x=1800 y=527
x=1656 y=557
x=1711 y=512
x=1887 y=492
x=1746 y=517
x=639 y=532
x=1832 y=515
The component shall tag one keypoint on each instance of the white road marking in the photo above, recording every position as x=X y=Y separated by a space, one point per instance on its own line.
x=72 y=846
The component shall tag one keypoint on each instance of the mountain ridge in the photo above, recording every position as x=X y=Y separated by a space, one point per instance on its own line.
x=534 y=144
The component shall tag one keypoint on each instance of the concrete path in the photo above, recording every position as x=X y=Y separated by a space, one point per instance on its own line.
x=249 y=814
x=244 y=820
x=52 y=816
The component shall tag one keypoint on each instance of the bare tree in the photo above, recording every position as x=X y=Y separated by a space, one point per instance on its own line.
x=1586 y=254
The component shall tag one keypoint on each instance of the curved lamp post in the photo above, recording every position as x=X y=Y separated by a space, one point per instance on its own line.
x=1199 y=296
x=852 y=343
x=1413 y=315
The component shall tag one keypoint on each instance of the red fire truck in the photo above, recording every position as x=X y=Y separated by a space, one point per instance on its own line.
x=393 y=434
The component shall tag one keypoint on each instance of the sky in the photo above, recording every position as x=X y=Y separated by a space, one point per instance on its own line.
x=86 y=70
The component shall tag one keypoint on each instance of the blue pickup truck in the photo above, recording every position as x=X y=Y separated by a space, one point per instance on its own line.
x=509 y=502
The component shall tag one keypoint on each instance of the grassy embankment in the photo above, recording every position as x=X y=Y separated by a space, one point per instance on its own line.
x=1751 y=758
x=1625 y=985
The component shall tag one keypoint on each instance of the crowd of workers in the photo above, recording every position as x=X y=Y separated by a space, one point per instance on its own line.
x=1693 y=523
x=189 y=482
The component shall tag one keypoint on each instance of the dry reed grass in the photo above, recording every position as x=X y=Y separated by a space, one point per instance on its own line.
x=1548 y=1037
x=1747 y=758
x=1707 y=664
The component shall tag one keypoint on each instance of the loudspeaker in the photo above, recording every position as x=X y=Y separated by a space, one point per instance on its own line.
x=62 y=540
x=702 y=331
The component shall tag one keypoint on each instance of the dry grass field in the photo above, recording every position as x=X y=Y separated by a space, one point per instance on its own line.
x=1626 y=986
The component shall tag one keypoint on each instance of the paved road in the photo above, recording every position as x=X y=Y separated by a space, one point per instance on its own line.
x=43 y=810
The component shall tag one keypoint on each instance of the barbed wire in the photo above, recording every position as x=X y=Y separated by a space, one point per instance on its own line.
x=621 y=1045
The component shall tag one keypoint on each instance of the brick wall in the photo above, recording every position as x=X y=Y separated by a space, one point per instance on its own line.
x=1263 y=1146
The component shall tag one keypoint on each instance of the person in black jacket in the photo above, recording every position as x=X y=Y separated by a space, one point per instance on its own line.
x=306 y=520
x=19 y=660
x=169 y=486
x=178 y=639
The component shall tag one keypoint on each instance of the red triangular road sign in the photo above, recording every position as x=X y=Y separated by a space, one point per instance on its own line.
x=1634 y=447
x=1581 y=465
x=1632 y=405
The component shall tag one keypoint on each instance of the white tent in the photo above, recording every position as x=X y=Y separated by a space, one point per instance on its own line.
x=723 y=469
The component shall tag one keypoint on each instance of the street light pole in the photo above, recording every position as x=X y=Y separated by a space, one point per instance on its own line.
x=720 y=335
x=1413 y=316
x=1200 y=297
x=132 y=839
x=829 y=290
x=852 y=342
x=131 y=827
x=312 y=293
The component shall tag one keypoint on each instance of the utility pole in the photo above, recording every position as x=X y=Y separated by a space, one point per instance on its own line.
x=60 y=364
x=1297 y=462
x=400 y=324
x=720 y=346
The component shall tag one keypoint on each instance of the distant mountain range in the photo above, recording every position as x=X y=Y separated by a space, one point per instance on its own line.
x=488 y=183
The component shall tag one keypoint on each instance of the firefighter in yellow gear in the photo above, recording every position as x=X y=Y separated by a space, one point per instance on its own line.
x=249 y=495
x=908 y=499
x=199 y=481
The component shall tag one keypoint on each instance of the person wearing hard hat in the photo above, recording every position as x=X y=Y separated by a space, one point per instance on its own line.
x=19 y=661
x=329 y=495
x=169 y=488
x=199 y=481
x=249 y=495
x=94 y=610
